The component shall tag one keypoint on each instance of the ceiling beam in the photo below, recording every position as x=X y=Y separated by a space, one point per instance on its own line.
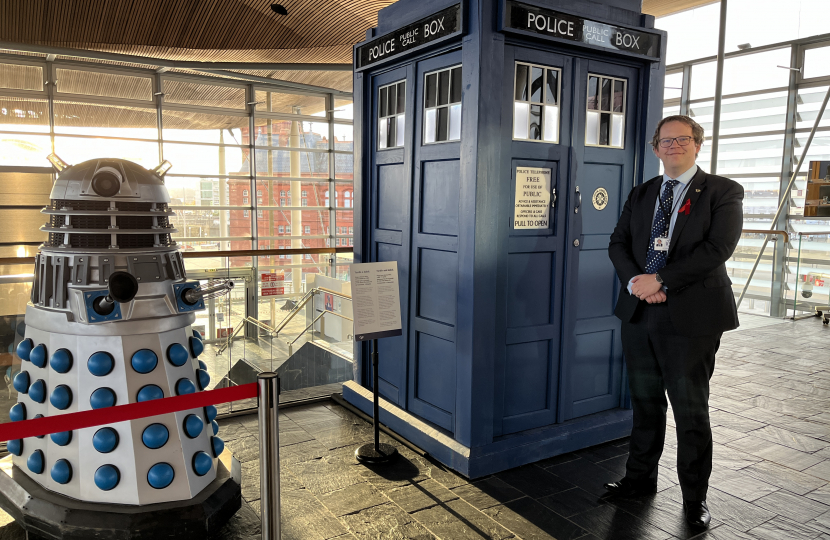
x=661 y=8
x=159 y=62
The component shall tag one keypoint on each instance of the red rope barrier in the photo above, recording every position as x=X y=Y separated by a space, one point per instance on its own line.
x=120 y=413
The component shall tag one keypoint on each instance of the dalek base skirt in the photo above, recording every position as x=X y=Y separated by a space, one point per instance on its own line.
x=110 y=323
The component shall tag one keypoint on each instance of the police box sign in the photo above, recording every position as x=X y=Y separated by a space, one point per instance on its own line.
x=429 y=29
x=555 y=24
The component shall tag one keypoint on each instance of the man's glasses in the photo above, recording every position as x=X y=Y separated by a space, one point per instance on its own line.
x=682 y=141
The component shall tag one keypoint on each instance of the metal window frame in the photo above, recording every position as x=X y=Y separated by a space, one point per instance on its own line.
x=543 y=104
x=600 y=111
x=448 y=105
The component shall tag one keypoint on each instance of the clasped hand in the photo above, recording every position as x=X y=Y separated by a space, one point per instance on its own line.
x=647 y=288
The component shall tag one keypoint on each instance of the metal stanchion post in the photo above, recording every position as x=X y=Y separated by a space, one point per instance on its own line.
x=377 y=452
x=268 y=384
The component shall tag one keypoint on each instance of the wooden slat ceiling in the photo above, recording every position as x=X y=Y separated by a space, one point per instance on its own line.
x=661 y=8
x=314 y=31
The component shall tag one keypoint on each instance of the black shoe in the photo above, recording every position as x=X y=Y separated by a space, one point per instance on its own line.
x=630 y=488
x=697 y=513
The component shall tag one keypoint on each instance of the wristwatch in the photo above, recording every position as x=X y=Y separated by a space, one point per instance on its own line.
x=658 y=278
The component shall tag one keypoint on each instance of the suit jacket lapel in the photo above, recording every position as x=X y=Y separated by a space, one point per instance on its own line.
x=696 y=186
x=647 y=213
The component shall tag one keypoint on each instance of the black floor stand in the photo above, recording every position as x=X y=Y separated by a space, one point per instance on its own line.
x=377 y=453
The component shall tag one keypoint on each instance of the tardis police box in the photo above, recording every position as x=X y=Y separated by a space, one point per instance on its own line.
x=496 y=142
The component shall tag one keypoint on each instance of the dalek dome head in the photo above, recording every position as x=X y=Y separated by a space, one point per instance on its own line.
x=108 y=204
x=109 y=179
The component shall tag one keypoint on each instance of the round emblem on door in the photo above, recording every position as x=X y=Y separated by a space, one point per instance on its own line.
x=600 y=199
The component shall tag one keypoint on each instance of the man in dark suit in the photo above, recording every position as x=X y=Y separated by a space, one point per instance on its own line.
x=669 y=248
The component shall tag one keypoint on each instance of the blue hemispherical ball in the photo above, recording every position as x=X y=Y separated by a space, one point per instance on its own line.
x=196 y=346
x=107 y=477
x=21 y=327
x=193 y=426
x=211 y=412
x=100 y=364
x=160 y=475
x=102 y=397
x=218 y=446
x=196 y=334
x=144 y=361
x=155 y=436
x=21 y=382
x=204 y=378
x=149 y=392
x=105 y=440
x=37 y=391
x=38 y=356
x=24 y=348
x=62 y=471
x=185 y=386
x=35 y=462
x=15 y=447
x=202 y=365
x=177 y=354
x=202 y=463
x=61 y=361
x=61 y=397
x=61 y=439
x=17 y=412
x=215 y=427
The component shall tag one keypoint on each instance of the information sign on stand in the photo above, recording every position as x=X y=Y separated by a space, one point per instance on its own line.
x=376 y=304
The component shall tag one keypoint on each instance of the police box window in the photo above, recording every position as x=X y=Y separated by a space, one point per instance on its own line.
x=605 y=118
x=536 y=103
x=391 y=104
x=442 y=106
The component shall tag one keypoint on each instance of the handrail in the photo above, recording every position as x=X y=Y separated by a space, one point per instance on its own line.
x=768 y=231
x=785 y=198
x=315 y=322
x=814 y=233
x=223 y=253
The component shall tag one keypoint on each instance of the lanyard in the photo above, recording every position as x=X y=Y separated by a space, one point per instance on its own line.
x=675 y=203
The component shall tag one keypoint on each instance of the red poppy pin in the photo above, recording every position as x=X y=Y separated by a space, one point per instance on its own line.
x=686 y=208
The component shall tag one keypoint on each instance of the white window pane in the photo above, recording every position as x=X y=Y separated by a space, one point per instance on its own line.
x=382 y=133
x=520 y=111
x=551 y=124
x=617 y=121
x=399 y=133
x=592 y=128
x=455 y=122
x=429 y=128
x=816 y=62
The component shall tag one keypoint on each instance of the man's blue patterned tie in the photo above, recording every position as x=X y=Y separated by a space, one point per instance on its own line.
x=655 y=260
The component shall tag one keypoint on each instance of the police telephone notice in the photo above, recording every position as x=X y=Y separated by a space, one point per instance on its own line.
x=532 y=206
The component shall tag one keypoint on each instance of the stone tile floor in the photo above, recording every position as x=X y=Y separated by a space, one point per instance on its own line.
x=771 y=480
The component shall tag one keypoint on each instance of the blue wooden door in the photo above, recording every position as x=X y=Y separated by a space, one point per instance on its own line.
x=603 y=169
x=536 y=121
x=435 y=179
x=390 y=169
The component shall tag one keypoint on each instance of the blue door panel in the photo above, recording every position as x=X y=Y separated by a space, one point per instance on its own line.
x=434 y=226
x=526 y=382
x=391 y=185
x=439 y=197
x=530 y=297
x=593 y=377
x=389 y=201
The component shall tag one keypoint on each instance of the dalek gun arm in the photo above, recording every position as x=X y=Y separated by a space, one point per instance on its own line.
x=213 y=290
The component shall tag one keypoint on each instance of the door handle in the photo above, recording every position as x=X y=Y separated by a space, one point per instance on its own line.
x=578 y=200
x=553 y=198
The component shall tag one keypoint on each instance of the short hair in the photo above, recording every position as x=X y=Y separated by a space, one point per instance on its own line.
x=697 y=131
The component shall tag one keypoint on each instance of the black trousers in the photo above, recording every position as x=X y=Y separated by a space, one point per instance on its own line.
x=660 y=361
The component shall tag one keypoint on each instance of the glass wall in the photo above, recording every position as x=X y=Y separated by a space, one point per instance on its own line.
x=769 y=105
x=255 y=167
